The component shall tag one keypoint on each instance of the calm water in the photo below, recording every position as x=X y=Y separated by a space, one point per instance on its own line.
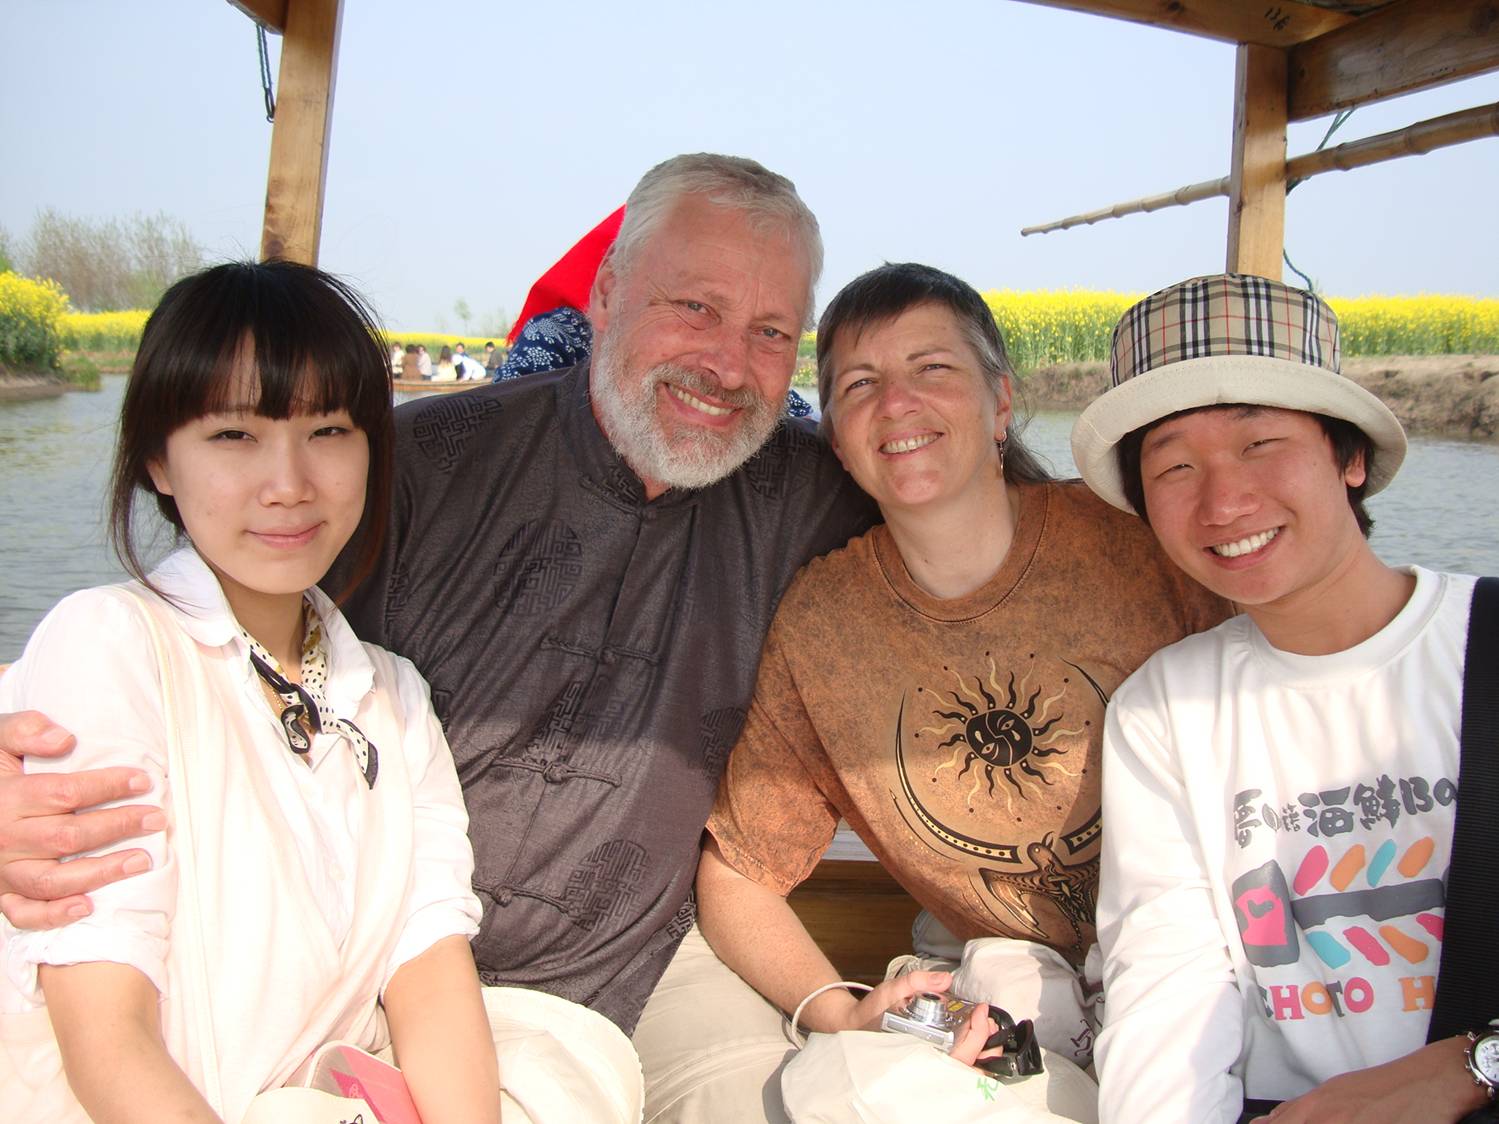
x=1442 y=511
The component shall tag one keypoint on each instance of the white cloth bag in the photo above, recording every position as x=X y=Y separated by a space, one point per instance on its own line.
x=870 y=1076
x=876 y=1077
x=1033 y=981
x=561 y=1063
x=1028 y=979
x=307 y=1106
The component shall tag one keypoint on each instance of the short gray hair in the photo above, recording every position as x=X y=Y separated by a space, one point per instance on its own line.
x=726 y=181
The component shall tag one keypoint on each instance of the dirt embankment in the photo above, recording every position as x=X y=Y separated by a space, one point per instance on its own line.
x=20 y=388
x=1451 y=394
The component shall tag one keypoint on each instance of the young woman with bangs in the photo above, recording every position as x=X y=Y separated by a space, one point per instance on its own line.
x=312 y=881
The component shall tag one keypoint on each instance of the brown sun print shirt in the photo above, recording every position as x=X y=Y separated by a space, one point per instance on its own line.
x=960 y=738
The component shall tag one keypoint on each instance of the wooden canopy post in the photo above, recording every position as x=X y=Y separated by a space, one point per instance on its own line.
x=299 y=140
x=1257 y=180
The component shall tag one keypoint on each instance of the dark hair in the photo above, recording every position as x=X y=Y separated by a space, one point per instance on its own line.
x=882 y=294
x=445 y=353
x=315 y=348
x=1348 y=441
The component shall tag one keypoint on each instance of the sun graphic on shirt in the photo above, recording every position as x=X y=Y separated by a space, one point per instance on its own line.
x=1001 y=731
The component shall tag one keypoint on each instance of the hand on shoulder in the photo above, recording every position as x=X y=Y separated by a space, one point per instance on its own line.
x=45 y=817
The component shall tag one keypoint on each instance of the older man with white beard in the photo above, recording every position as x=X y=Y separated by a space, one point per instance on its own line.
x=583 y=564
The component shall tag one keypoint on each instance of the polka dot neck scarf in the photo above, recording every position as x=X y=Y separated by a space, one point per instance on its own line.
x=302 y=706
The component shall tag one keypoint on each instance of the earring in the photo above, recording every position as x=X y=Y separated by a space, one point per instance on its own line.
x=1001 y=446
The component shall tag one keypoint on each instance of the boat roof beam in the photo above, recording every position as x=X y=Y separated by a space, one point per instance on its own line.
x=270 y=14
x=1407 y=46
x=1284 y=23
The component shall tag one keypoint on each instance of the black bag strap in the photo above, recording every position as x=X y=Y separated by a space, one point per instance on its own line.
x=1467 y=984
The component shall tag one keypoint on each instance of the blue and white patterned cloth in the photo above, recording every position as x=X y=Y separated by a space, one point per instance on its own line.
x=563 y=337
x=548 y=341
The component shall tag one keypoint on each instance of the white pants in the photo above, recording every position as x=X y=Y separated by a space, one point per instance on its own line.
x=711 y=1047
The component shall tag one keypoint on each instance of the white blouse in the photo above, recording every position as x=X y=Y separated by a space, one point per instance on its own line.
x=89 y=666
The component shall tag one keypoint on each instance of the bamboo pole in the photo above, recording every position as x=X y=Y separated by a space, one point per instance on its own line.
x=1414 y=140
x=1192 y=193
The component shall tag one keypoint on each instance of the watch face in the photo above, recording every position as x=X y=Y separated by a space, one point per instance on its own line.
x=1486 y=1057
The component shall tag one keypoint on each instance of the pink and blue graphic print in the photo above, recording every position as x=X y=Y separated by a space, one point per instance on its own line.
x=1349 y=905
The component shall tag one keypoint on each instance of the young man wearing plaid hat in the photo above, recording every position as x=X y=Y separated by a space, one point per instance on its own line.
x=1280 y=791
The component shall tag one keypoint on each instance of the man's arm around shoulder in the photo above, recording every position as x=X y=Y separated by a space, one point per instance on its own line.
x=47 y=817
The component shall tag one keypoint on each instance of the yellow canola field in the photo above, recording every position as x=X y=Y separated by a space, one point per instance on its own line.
x=1075 y=326
x=1047 y=326
x=31 y=315
x=1421 y=325
x=1044 y=326
x=104 y=331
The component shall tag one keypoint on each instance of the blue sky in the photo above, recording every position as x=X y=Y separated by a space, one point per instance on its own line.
x=472 y=143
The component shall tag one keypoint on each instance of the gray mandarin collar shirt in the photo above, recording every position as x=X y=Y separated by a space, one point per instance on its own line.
x=591 y=657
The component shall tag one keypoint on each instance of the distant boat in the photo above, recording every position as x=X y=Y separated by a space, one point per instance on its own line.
x=434 y=386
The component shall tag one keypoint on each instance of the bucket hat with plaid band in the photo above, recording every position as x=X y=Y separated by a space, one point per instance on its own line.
x=1225 y=340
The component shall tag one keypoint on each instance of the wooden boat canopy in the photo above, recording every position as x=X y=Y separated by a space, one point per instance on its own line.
x=1299 y=59
x=1296 y=59
x=1339 y=53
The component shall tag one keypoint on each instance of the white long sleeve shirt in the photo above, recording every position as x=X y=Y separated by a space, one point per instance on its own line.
x=1276 y=838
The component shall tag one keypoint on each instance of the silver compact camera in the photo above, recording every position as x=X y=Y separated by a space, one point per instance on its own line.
x=939 y=1018
x=930 y=1016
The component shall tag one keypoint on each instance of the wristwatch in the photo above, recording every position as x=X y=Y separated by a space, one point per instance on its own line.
x=1483 y=1058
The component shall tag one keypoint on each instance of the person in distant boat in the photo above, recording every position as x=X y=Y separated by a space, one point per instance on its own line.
x=423 y=362
x=468 y=368
x=411 y=369
x=1279 y=792
x=397 y=353
x=493 y=357
x=446 y=370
